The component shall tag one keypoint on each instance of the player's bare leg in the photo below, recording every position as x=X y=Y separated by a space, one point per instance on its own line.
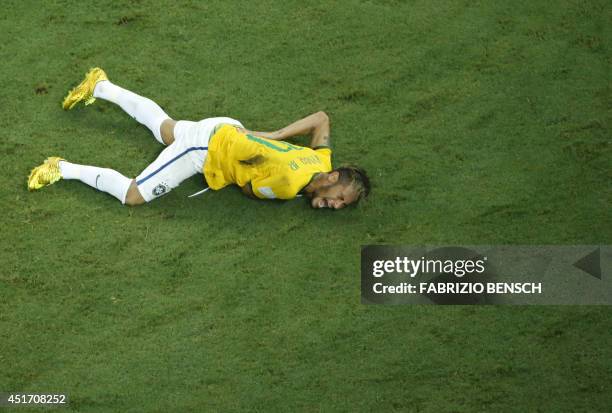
x=167 y=131
x=134 y=197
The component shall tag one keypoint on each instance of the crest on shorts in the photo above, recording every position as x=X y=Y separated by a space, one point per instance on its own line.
x=160 y=189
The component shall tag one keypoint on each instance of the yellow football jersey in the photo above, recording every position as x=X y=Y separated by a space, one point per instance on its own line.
x=275 y=169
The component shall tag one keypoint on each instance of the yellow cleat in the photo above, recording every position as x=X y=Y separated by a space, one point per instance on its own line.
x=84 y=91
x=46 y=174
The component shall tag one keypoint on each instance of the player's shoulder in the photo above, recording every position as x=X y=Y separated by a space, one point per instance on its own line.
x=323 y=150
x=324 y=154
x=224 y=126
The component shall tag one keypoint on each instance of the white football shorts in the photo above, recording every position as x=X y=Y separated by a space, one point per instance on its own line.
x=182 y=159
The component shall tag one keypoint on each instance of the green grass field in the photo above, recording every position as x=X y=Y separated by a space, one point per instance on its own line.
x=479 y=123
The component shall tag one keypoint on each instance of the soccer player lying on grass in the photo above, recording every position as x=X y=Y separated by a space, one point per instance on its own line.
x=221 y=148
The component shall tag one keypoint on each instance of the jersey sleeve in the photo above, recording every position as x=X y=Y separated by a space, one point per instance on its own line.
x=324 y=153
x=273 y=187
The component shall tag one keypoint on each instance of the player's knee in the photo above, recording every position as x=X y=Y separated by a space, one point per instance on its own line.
x=133 y=196
x=167 y=131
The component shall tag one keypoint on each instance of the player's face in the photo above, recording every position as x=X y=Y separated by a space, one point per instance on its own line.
x=335 y=196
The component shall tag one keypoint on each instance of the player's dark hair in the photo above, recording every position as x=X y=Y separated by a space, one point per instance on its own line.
x=356 y=176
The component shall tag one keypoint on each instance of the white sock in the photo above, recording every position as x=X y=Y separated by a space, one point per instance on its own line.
x=103 y=179
x=144 y=110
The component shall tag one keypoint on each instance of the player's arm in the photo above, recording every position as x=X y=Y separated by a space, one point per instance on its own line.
x=315 y=125
x=248 y=190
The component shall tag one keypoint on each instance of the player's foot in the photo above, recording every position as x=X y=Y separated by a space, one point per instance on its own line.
x=84 y=91
x=46 y=174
